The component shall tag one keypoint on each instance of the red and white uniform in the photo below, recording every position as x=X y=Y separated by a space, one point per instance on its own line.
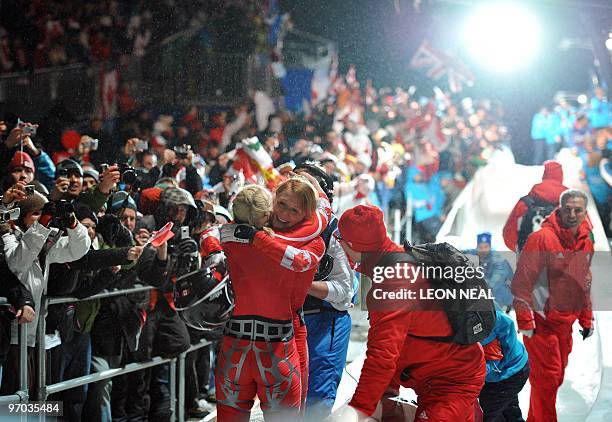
x=551 y=288
x=271 y=278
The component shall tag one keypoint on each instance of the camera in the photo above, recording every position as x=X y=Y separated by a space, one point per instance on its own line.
x=29 y=190
x=91 y=144
x=182 y=151
x=27 y=129
x=128 y=174
x=62 y=173
x=184 y=253
x=142 y=145
x=61 y=211
x=9 y=215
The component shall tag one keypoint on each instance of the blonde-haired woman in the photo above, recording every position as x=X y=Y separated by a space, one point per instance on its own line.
x=271 y=277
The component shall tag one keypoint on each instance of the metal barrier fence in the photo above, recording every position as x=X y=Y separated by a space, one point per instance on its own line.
x=44 y=390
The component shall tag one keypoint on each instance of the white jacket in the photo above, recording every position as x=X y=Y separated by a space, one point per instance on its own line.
x=22 y=250
x=341 y=280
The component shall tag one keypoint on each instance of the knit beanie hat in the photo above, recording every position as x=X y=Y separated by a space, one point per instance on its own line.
x=21 y=159
x=363 y=228
x=82 y=211
x=118 y=202
x=483 y=238
x=32 y=203
x=69 y=165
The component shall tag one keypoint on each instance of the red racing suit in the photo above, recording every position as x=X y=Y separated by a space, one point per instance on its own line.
x=262 y=272
x=551 y=288
x=549 y=190
x=447 y=377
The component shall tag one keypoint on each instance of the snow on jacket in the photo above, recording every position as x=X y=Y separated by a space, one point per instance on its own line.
x=553 y=277
x=432 y=367
x=22 y=256
x=513 y=351
x=550 y=189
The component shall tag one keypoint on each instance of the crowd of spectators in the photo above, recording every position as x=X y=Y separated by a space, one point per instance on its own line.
x=586 y=130
x=380 y=146
x=41 y=34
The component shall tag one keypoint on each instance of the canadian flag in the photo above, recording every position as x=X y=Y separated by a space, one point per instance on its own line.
x=108 y=91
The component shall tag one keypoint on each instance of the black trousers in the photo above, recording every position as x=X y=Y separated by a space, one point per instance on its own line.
x=499 y=400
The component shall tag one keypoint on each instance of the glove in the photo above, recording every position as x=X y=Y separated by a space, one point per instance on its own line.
x=587 y=332
x=216 y=260
x=527 y=333
x=187 y=246
x=240 y=233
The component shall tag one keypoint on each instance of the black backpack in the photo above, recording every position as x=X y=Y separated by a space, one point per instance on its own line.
x=472 y=319
x=537 y=211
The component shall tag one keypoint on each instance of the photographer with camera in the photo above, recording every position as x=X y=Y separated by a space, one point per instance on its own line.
x=179 y=164
x=118 y=332
x=18 y=148
x=85 y=277
x=35 y=242
x=69 y=184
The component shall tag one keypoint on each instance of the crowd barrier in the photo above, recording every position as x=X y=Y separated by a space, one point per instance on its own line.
x=177 y=372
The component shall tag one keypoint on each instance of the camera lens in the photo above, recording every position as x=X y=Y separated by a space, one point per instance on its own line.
x=129 y=177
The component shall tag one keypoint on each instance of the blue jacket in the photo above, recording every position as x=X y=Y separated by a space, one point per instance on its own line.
x=45 y=170
x=539 y=125
x=599 y=115
x=427 y=197
x=598 y=186
x=515 y=354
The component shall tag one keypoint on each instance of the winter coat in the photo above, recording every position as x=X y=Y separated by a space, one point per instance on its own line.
x=427 y=197
x=513 y=351
x=549 y=190
x=393 y=347
x=125 y=314
x=552 y=282
x=45 y=170
x=22 y=256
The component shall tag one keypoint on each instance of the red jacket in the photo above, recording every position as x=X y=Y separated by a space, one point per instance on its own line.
x=432 y=366
x=553 y=277
x=271 y=277
x=550 y=189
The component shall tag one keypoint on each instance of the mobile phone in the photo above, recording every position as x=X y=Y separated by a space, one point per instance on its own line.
x=29 y=190
x=185 y=232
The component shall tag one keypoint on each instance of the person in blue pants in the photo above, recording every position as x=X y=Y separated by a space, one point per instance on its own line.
x=326 y=315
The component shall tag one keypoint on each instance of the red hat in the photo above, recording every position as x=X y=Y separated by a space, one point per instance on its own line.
x=363 y=228
x=71 y=140
x=553 y=171
x=21 y=159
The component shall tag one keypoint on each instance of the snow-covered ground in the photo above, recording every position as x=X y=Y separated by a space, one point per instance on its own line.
x=586 y=394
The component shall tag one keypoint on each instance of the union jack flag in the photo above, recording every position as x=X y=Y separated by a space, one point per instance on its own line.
x=439 y=64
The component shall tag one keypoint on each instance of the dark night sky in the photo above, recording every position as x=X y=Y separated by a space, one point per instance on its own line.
x=380 y=42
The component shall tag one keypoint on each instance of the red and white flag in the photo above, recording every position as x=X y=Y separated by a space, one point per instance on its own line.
x=109 y=82
x=438 y=64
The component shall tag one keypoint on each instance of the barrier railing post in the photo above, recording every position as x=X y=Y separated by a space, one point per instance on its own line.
x=173 y=389
x=409 y=219
x=23 y=361
x=42 y=369
x=181 y=387
x=397 y=225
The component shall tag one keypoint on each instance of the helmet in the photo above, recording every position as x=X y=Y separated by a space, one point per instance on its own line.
x=222 y=215
x=204 y=299
x=325 y=180
x=177 y=196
